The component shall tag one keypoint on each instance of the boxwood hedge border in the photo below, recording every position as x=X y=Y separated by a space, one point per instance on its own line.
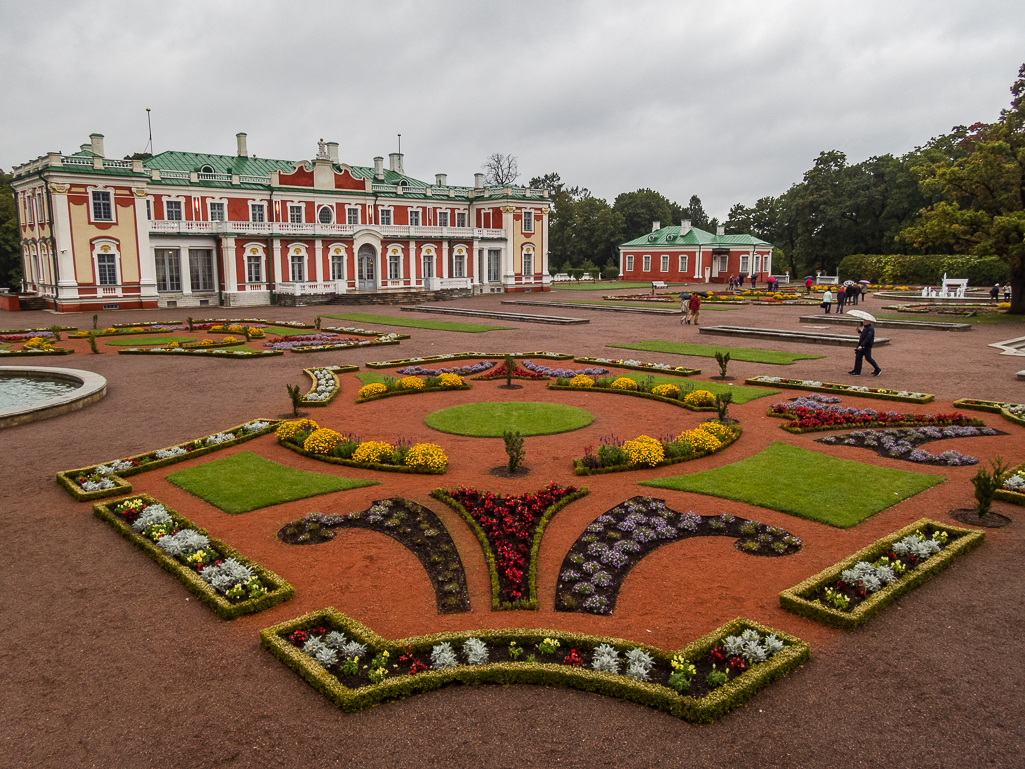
x=793 y=599
x=66 y=477
x=833 y=388
x=465 y=356
x=702 y=710
x=334 y=371
x=649 y=368
x=579 y=469
x=635 y=393
x=489 y=555
x=993 y=407
x=184 y=351
x=1014 y=497
x=35 y=353
x=360 y=465
x=278 y=590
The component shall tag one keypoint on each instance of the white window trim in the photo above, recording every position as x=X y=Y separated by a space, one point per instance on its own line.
x=261 y=252
x=115 y=250
x=262 y=206
x=113 y=205
x=646 y=263
x=295 y=250
x=289 y=206
x=180 y=199
x=437 y=217
x=359 y=215
x=629 y=263
x=465 y=218
x=390 y=211
x=419 y=215
x=663 y=263
x=330 y=209
x=395 y=252
x=209 y=205
x=683 y=260
x=527 y=251
x=527 y=216
x=745 y=262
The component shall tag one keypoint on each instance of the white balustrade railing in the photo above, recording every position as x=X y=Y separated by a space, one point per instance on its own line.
x=306 y=288
x=213 y=177
x=309 y=229
x=255 y=287
x=248 y=179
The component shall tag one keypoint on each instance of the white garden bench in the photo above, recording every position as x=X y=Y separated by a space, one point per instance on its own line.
x=658 y=284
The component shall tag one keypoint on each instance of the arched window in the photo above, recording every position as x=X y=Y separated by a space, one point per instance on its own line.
x=528 y=261
x=326 y=215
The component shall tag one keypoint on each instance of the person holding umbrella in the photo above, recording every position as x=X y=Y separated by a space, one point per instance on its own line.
x=684 y=308
x=807 y=284
x=864 y=349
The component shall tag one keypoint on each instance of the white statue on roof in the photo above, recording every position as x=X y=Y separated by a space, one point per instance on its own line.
x=322 y=151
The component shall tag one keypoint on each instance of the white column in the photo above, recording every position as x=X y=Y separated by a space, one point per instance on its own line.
x=444 y=259
x=230 y=268
x=318 y=255
x=147 y=264
x=67 y=281
x=186 y=268
x=276 y=258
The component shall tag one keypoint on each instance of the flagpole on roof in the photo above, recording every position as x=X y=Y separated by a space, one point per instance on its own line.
x=149 y=122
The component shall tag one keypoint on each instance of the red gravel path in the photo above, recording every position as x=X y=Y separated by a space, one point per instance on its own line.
x=107 y=663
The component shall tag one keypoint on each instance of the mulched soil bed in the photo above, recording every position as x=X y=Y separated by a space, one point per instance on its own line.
x=990 y=520
x=102 y=612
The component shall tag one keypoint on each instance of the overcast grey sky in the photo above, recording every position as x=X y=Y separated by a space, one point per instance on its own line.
x=731 y=101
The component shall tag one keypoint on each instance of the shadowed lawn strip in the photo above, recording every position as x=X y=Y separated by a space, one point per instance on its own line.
x=674 y=305
x=709 y=351
x=246 y=481
x=148 y=341
x=837 y=492
x=435 y=325
x=490 y=420
x=600 y=286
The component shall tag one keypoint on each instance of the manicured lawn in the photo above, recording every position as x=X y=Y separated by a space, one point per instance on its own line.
x=837 y=492
x=982 y=319
x=709 y=351
x=284 y=331
x=490 y=420
x=434 y=325
x=247 y=481
x=146 y=341
x=673 y=305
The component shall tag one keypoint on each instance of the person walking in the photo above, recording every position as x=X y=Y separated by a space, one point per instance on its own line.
x=864 y=349
x=853 y=292
x=807 y=286
x=994 y=292
x=685 y=308
x=827 y=300
x=695 y=308
x=841 y=299
x=1007 y=292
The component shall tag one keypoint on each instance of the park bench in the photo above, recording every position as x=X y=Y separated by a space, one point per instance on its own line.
x=658 y=284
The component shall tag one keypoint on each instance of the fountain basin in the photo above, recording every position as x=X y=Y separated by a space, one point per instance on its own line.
x=88 y=388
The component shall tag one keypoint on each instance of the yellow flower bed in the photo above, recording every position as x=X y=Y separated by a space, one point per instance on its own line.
x=287 y=429
x=449 y=380
x=581 y=380
x=427 y=456
x=717 y=429
x=373 y=451
x=228 y=339
x=699 y=399
x=666 y=391
x=207 y=342
x=370 y=390
x=699 y=440
x=410 y=383
x=624 y=383
x=644 y=450
x=321 y=441
x=38 y=343
x=136 y=329
x=110 y=330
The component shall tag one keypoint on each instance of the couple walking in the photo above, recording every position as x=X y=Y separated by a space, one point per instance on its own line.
x=690 y=306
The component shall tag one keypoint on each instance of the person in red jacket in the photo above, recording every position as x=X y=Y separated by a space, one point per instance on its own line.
x=807 y=285
x=695 y=308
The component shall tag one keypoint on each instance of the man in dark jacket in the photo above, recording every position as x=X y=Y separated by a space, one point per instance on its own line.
x=864 y=349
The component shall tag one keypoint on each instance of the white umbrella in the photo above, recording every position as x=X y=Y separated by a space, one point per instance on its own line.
x=863 y=315
x=849 y=283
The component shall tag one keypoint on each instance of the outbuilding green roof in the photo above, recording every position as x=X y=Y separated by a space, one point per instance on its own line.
x=670 y=236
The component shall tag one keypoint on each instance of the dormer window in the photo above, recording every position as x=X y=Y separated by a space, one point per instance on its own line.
x=206 y=170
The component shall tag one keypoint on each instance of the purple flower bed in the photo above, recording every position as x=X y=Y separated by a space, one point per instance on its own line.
x=790 y=407
x=902 y=442
x=306 y=340
x=568 y=373
x=476 y=368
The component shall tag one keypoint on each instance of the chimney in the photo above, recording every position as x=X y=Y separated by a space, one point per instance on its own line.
x=96 y=144
x=441 y=180
x=332 y=151
x=685 y=227
x=656 y=226
x=395 y=162
x=241 y=150
x=378 y=168
x=478 y=181
x=720 y=230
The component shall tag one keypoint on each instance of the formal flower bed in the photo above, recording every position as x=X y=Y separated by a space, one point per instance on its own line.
x=599 y=561
x=140 y=329
x=861 y=392
x=409 y=385
x=41 y=351
x=510 y=529
x=468 y=370
x=1012 y=412
x=903 y=442
x=324 y=342
x=569 y=373
x=363 y=332
x=107 y=479
x=1013 y=488
x=24 y=336
x=614 y=455
x=355 y=668
x=687 y=397
x=501 y=371
x=413 y=526
x=629 y=363
x=167 y=350
x=208 y=322
x=218 y=575
x=306 y=437
x=849 y=593
x=463 y=356
x=325 y=384
x=810 y=416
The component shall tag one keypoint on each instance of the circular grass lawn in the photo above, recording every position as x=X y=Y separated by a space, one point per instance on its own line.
x=490 y=420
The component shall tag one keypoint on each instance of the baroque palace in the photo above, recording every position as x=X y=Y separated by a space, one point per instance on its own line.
x=186 y=229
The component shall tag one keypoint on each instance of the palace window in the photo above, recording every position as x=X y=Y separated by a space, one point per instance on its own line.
x=528 y=220
x=337 y=267
x=665 y=263
x=173 y=210
x=744 y=261
x=295 y=214
x=352 y=215
x=106 y=269
x=201 y=268
x=528 y=262
x=630 y=262
x=254 y=268
x=683 y=262
x=459 y=265
x=257 y=212
x=414 y=218
x=169 y=276
x=394 y=266
x=326 y=215
x=298 y=268
x=460 y=218
x=385 y=216
x=103 y=210
x=647 y=263
x=443 y=218
x=217 y=212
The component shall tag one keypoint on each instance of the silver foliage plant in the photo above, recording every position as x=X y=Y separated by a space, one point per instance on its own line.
x=151 y=514
x=606 y=659
x=638 y=664
x=475 y=651
x=443 y=657
x=320 y=651
x=752 y=646
x=183 y=542
x=226 y=575
x=347 y=647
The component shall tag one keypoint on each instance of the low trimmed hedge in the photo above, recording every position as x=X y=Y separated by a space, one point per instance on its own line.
x=66 y=477
x=334 y=371
x=465 y=356
x=206 y=344
x=700 y=710
x=794 y=599
x=35 y=353
x=328 y=347
x=360 y=465
x=1013 y=497
x=635 y=393
x=362 y=332
x=874 y=425
x=489 y=555
x=580 y=469
x=208 y=353
x=649 y=368
x=994 y=407
x=278 y=590
x=832 y=388
x=394 y=393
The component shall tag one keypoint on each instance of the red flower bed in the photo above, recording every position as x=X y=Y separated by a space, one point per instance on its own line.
x=509 y=523
x=499 y=372
x=822 y=419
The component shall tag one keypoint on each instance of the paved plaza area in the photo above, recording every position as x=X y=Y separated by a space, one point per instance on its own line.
x=107 y=662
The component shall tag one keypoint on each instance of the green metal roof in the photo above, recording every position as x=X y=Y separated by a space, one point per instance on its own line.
x=670 y=236
x=221 y=164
